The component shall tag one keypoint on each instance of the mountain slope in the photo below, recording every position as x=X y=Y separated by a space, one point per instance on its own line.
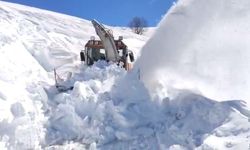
x=108 y=108
x=53 y=39
x=32 y=43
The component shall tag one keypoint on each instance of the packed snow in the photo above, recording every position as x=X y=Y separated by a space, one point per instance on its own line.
x=110 y=108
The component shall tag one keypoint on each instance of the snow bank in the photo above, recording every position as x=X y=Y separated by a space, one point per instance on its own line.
x=123 y=116
x=21 y=98
x=201 y=45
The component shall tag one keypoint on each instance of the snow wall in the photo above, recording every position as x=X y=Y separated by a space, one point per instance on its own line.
x=200 y=45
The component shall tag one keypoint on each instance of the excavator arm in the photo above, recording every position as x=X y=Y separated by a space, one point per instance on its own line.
x=107 y=40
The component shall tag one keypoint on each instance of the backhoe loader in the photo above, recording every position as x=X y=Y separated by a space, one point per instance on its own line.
x=107 y=48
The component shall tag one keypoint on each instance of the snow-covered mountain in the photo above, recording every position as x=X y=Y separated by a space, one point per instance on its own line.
x=108 y=108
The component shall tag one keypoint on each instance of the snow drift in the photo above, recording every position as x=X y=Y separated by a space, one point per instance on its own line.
x=201 y=45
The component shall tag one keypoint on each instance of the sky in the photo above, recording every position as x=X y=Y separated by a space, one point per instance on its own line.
x=109 y=12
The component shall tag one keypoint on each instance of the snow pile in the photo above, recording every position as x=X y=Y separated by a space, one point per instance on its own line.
x=201 y=45
x=108 y=107
x=125 y=117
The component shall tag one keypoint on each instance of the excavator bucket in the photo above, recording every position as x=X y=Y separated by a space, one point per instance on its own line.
x=107 y=40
